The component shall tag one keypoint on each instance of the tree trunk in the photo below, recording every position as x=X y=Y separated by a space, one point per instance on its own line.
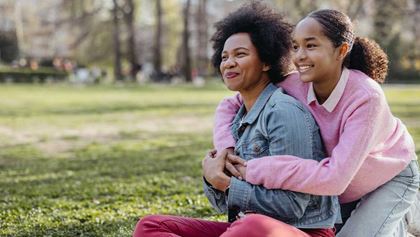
x=386 y=31
x=131 y=40
x=19 y=28
x=157 y=56
x=202 y=36
x=185 y=43
x=117 y=43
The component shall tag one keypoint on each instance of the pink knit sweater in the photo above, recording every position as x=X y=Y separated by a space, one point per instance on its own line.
x=366 y=145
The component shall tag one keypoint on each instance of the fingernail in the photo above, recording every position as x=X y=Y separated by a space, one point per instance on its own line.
x=240 y=178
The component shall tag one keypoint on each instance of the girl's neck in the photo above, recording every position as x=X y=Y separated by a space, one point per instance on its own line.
x=251 y=95
x=324 y=88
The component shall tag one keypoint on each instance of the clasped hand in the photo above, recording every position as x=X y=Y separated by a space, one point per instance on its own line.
x=219 y=168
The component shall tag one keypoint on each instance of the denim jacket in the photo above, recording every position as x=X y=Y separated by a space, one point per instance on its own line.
x=277 y=124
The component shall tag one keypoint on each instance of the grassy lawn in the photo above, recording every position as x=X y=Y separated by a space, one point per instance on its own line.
x=89 y=161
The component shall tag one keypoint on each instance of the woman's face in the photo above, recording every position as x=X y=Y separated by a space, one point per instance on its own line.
x=241 y=66
x=314 y=54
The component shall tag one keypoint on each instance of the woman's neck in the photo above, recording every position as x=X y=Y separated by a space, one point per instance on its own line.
x=251 y=95
x=324 y=88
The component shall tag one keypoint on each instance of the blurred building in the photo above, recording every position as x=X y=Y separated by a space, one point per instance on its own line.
x=7 y=22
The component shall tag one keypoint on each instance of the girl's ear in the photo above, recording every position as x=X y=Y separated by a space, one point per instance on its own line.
x=343 y=50
x=266 y=68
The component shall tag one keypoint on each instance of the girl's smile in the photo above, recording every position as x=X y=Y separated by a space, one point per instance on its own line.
x=304 y=68
x=314 y=55
x=316 y=58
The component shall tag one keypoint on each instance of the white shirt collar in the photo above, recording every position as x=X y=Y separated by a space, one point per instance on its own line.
x=336 y=94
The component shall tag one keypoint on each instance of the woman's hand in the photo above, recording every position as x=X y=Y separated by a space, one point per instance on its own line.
x=213 y=170
x=235 y=165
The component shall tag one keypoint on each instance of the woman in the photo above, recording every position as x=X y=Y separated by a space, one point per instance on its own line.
x=269 y=123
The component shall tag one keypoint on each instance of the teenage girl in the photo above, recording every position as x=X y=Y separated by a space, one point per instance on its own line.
x=371 y=160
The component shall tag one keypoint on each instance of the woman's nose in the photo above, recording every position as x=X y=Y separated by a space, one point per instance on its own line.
x=230 y=62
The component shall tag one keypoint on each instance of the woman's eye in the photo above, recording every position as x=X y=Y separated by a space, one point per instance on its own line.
x=310 y=46
x=241 y=54
x=295 y=47
x=224 y=58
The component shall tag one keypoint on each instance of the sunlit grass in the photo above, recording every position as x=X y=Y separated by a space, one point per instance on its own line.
x=89 y=161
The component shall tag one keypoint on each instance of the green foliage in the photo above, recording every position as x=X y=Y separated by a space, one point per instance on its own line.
x=28 y=75
x=89 y=161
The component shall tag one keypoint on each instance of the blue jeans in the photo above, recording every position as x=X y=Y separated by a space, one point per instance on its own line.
x=381 y=212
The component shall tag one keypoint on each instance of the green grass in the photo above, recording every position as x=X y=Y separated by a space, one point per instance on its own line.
x=89 y=161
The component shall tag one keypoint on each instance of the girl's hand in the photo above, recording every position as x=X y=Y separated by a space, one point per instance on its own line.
x=242 y=171
x=236 y=165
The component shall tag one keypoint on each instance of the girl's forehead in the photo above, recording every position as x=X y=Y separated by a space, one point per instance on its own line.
x=308 y=26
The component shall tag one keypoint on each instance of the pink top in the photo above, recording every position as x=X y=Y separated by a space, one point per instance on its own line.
x=367 y=146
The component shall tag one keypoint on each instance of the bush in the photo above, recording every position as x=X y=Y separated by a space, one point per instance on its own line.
x=27 y=75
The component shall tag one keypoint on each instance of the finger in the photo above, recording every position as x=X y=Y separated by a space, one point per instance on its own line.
x=233 y=170
x=236 y=159
x=230 y=150
x=221 y=155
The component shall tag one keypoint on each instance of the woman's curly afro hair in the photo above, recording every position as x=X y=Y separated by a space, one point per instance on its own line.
x=269 y=33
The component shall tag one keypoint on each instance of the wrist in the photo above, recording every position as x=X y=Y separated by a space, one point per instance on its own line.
x=221 y=182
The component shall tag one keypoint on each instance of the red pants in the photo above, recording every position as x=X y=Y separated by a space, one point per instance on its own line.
x=252 y=225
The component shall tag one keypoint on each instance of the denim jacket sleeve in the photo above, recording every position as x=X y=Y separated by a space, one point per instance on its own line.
x=217 y=198
x=291 y=130
x=280 y=204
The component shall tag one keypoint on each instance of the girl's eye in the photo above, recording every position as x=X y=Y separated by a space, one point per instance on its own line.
x=310 y=46
x=295 y=48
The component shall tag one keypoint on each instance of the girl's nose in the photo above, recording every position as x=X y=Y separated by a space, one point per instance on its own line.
x=300 y=54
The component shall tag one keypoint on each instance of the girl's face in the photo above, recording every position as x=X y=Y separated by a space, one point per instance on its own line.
x=241 y=66
x=314 y=55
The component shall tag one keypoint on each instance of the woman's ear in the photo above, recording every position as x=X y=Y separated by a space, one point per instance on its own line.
x=266 y=68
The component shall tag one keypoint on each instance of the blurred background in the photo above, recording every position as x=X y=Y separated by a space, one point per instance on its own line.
x=94 y=41
x=106 y=106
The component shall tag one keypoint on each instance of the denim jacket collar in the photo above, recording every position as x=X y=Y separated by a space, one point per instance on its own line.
x=258 y=105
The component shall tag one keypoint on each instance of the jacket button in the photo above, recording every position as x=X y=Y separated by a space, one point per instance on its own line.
x=256 y=148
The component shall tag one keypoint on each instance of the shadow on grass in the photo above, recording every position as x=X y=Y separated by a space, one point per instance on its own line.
x=110 y=184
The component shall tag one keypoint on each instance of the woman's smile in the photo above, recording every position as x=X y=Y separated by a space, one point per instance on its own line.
x=230 y=75
x=241 y=67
